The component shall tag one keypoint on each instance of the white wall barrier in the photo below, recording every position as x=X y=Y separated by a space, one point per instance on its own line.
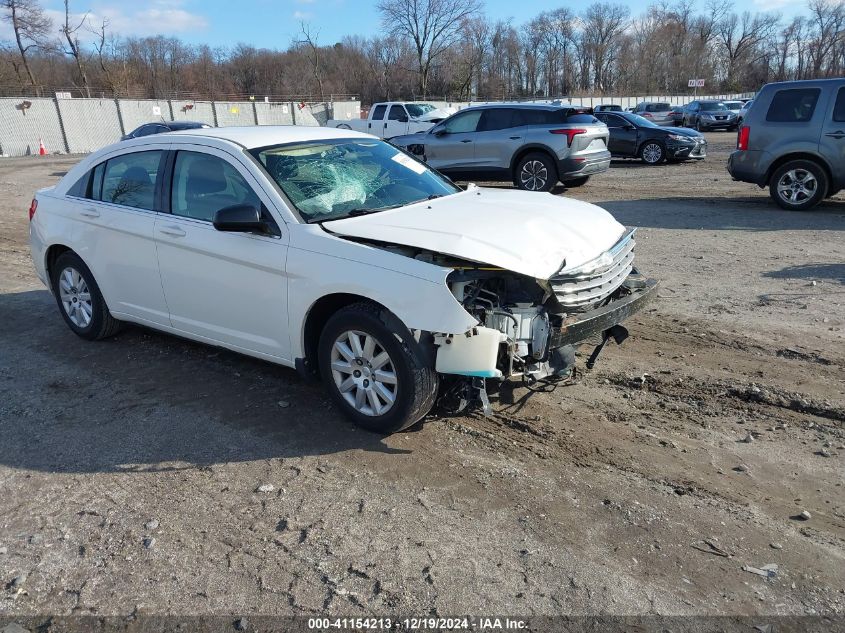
x=85 y=125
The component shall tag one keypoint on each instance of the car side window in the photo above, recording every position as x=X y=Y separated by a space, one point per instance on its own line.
x=145 y=130
x=203 y=184
x=532 y=117
x=397 y=113
x=464 y=122
x=378 y=113
x=614 y=121
x=496 y=119
x=130 y=180
x=839 y=107
x=793 y=106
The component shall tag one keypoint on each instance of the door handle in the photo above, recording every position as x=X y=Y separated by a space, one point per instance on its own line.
x=838 y=134
x=175 y=231
x=514 y=138
x=466 y=140
x=90 y=212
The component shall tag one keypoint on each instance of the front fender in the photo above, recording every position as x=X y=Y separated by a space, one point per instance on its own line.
x=321 y=264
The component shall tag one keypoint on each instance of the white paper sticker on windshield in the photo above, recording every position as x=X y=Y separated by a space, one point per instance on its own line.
x=410 y=163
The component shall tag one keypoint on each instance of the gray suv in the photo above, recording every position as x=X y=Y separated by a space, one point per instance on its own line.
x=709 y=115
x=793 y=141
x=533 y=145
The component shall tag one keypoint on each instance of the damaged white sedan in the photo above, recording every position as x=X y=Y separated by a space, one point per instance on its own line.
x=335 y=253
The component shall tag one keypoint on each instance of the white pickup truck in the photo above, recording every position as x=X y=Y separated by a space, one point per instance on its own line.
x=394 y=118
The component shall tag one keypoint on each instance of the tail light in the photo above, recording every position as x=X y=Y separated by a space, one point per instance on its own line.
x=570 y=133
x=32 y=207
x=742 y=137
x=646 y=114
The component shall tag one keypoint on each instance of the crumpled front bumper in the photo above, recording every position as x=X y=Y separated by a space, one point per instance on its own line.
x=579 y=327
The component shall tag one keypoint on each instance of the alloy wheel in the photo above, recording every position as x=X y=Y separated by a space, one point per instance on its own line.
x=75 y=297
x=533 y=175
x=652 y=153
x=364 y=373
x=797 y=185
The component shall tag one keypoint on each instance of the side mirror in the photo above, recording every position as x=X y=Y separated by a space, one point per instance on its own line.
x=440 y=132
x=239 y=218
x=629 y=127
x=403 y=119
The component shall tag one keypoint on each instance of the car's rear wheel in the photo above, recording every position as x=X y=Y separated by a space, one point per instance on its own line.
x=798 y=185
x=79 y=298
x=652 y=153
x=535 y=172
x=376 y=371
x=576 y=182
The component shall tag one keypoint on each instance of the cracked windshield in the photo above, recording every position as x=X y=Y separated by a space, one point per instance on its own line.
x=329 y=180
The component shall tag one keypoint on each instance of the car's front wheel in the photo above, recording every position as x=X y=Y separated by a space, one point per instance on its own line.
x=652 y=153
x=376 y=371
x=798 y=185
x=536 y=172
x=80 y=300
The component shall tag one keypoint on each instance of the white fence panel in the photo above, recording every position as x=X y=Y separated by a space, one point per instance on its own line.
x=89 y=124
x=21 y=127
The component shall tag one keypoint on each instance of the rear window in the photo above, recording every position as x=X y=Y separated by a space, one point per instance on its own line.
x=581 y=118
x=793 y=106
x=657 y=107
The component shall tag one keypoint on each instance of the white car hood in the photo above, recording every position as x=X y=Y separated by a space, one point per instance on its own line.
x=524 y=232
x=437 y=113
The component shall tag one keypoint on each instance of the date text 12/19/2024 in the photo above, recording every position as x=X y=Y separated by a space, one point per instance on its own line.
x=417 y=624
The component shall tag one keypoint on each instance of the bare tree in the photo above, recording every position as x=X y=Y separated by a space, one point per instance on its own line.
x=31 y=28
x=604 y=25
x=432 y=25
x=310 y=41
x=73 y=50
x=741 y=39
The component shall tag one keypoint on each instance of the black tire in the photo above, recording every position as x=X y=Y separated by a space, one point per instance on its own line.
x=412 y=367
x=800 y=173
x=652 y=152
x=543 y=169
x=576 y=182
x=698 y=125
x=101 y=324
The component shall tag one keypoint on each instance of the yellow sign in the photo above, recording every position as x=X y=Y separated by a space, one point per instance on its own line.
x=235 y=110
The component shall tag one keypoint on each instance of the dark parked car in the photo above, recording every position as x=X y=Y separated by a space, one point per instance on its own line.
x=163 y=126
x=793 y=141
x=709 y=115
x=608 y=107
x=632 y=136
x=534 y=145
x=677 y=114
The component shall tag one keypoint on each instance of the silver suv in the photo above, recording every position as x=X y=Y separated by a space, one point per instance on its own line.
x=533 y=145
x=793 y=141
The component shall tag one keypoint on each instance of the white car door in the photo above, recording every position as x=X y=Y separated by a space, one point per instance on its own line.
x=396 y=123
x=225 y=287
x=115 y=208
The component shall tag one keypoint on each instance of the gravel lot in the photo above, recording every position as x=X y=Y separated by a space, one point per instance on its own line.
x=130 y=469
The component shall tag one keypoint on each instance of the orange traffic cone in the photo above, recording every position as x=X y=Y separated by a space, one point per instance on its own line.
x=42 y=151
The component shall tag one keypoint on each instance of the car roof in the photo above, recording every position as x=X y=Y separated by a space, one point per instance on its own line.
x=184 y=125
x=521 y=106
x=250 y=137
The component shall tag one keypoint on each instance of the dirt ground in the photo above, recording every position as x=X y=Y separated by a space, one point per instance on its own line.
x=129 y=468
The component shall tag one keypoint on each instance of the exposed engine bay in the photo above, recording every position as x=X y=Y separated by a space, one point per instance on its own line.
x=530 y=328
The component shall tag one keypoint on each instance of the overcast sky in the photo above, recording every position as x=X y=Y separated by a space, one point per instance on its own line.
x=275 y=23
